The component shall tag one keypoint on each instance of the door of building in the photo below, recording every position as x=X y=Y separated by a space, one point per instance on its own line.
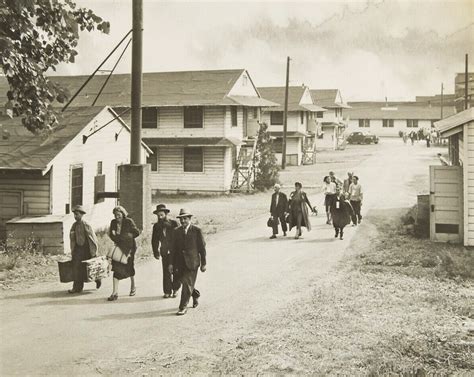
x=10 y=207
x=446 y=204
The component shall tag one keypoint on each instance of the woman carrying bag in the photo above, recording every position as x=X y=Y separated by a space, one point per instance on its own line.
x=298 y=210
x=123 y=232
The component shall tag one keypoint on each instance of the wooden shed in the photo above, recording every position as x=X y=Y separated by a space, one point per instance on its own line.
x=452 y=186
x=43 y=177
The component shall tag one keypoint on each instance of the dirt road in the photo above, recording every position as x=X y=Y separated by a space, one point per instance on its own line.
x=250 y=278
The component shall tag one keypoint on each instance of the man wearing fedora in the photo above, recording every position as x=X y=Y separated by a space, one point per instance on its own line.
x=189 y=253
x=162 y=242
x=278 y=209
x=83 y=246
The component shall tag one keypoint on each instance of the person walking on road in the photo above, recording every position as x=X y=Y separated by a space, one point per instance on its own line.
x=334 y=179
x=298 y=211
x=123 y=232
x=278 y=209
x=342 y=212
x=162 y=243
x=83 y=246
x=329 y=194
x=347 y=183
x=356 y=196
x=189 y=253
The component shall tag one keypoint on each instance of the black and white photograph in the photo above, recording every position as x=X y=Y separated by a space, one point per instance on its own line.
x=237 y=188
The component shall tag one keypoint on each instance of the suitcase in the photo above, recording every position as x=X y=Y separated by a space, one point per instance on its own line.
x=65 y=270
x=96 y=268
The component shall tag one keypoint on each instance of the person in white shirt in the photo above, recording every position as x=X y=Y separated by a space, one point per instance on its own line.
x=356 y=196
x=329 y=195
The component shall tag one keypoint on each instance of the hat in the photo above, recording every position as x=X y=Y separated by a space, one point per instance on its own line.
x=161 y=207
x=79 y=208
x=184 y=213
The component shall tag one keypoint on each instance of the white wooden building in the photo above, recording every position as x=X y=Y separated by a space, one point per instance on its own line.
x=452 y=186
x=302 y=126
x=332 y=121
x=43 y=178
x=388 y=120
x=195 y=122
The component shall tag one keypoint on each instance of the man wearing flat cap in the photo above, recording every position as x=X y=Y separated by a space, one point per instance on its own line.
x=83 y=246
x=278 y=209
x=189 y=253
x=162 y=243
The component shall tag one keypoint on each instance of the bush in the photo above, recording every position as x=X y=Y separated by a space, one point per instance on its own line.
x=266 y=163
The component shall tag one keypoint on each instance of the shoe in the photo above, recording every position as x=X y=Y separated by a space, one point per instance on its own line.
x=182 y=311
x=174 y=294
x=328 y=222
x=133 y=292
x=297 y=236
x=354 y=225
x=166 y=295
x=284 y=234
x=113 y=297
x=98 y=284
x=74 y=291
x=273 y=236
x=336 y=235
x=195 y=302
x=360 y=220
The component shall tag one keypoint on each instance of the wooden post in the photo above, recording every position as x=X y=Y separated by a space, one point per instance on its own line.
x=137 y=48
x=466 y=82
x=285 y=115
x=442 y=89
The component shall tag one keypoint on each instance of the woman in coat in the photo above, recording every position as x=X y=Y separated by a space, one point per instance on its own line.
x=341 y=212
x=123 y=232
x=298 y=210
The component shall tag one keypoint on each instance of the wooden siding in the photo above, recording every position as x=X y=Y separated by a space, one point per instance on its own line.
x=468 y=170
x=34 y=189
x=171 y=123
x=47 y=237
x=171 y=177
x=294 y=122
x=236 y=132
x=376 y=127
x=102 y=146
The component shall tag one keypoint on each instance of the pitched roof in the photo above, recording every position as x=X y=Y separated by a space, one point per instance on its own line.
x=193 y=141
x=277 y=94
x=184 y=88
x=409 y=110
x=327 y=98
x=20 y=149
x=449 y=124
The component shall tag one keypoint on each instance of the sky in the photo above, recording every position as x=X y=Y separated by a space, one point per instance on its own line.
x=368 y=49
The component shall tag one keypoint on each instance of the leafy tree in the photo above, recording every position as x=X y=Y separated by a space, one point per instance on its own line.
x=35 y=36
x=267 y=171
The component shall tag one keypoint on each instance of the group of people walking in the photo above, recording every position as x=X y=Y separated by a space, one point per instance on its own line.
x=342 y=201
x=181 y=248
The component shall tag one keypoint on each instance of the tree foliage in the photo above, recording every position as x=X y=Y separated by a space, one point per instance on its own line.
x=267 y=170
x=35 y=36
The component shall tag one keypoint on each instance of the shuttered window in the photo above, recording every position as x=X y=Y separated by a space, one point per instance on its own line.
x=319 y=114
x=233 y=113
x=76 y=186
x=149 y=117
x=193 y=117
x=152 y=159
x=276 y=118
x=193 y=160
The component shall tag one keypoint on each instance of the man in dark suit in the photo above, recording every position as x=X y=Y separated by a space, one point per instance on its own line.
x=162 y=243
x=278 y=209
x=189 y=253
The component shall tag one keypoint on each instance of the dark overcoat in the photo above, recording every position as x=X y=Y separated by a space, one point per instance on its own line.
x=278 y=209
x=304 y=209
x=189 y=249
x=126 y=238
x=341 y=213
x=161 y=244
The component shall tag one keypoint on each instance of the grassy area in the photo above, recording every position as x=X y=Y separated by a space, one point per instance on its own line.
x=397 y=306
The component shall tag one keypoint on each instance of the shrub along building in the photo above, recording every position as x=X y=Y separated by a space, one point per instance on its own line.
x=200 y=125
x=301 y=125
x=43 y=178
x=332 y=120
x=382 y=119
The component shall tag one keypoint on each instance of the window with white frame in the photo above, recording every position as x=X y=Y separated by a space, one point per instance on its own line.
x=387 y=123
x=364 y=123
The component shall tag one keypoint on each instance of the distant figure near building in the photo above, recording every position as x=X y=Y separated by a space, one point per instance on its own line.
x=123 y=232
x=298 y=211
x=341 y=212
x=83 y=246
x=162 y=244
x=356 y=196
x=278 y=209
x=329 y=194
x=412 y=137
x=189 y=253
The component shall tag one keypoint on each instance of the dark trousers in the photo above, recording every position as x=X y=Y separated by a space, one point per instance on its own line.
x=356 y=207
x=188 y=280
x=282 y=221
x=79 y=269
x=339 y=230
x=170 y=282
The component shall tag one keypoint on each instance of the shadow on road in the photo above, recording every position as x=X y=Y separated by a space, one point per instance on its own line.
x=142 y=315
x=98 y=300
x=53 y=294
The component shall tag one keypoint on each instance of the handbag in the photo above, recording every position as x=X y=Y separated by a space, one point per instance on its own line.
x=270 y=222
x=117 y=255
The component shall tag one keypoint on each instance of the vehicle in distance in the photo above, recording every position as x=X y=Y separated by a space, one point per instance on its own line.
x=362 y=138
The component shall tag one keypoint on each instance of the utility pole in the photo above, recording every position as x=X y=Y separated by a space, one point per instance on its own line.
x=137 y=52
x=466 y=82
x=442 y=89
x=285 y=115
